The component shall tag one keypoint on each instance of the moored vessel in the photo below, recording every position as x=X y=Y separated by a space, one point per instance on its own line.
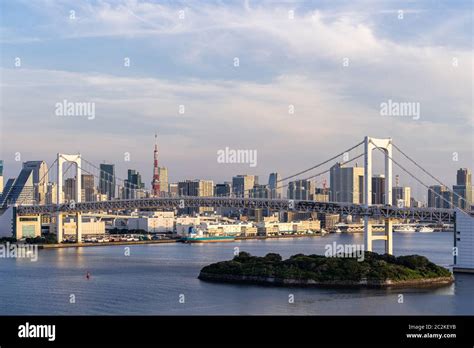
x=404 y=229
x=198 y=236
x=425 y=229
x=208 y=239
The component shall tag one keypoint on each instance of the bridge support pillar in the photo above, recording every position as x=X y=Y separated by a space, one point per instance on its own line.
x=79 y=228
x=389 y=237
x=59 y=227
x=385 y=145
x=367 y=234
x=61 y=159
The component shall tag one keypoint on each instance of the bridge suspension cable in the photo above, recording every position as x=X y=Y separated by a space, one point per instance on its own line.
x=326 y=171
x=307 y=178
x=107 y=177
x=320 y=164
x=414 y=177
x=429 y=174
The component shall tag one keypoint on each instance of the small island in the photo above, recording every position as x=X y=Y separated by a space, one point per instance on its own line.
x=376 y=270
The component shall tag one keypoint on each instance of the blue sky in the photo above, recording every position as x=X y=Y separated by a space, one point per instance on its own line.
x=189 y=61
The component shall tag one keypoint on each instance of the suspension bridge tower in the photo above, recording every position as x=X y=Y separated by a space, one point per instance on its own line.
x=61 y=159
x=385 y=145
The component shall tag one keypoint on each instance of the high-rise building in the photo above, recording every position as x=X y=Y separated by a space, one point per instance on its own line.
x=435 y=196
x=173 y=190
x=223 y=190
x=19 y=190
x=414 y=203
x=447 y=200
x=87 y=187
x=242 y=184
x=321 y=194
x=257 y=214
x=51 y=193
x=1 y=176
x=346 y=184
x=196 y=188
x=40 y=179
x=328 y=221
x=133 y=186
x=462 y=196
x=378 y=189
x=69 y=189
x=401 y=196
x=301 y=190
x=260 y=191
x=274 y=184
x=464 y=177
x=463 y=189
x=107 y=180
x=163 y=174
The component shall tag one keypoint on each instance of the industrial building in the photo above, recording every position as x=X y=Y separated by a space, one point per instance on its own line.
x=159 y=222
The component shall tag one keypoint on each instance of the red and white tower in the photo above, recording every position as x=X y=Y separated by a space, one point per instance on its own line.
x=155 y=183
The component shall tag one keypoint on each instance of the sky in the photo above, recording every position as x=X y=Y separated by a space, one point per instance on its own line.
x=333 y=63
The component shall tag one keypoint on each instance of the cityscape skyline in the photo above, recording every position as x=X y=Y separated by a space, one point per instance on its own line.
x=346 y=185
x=419 y=193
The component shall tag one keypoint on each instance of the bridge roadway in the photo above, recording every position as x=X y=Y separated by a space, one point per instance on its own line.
x=373 y=211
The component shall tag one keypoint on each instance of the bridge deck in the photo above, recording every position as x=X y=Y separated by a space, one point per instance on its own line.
x=374 y=211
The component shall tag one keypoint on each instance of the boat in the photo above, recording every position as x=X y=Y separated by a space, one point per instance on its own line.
x=425 y=229
x=209 y=239
x=197 y=235
x=404 y=229
x=338 y=228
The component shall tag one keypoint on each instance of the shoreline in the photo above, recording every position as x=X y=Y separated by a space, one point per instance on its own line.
x=167 y=241
x=164 y=241
x=80 y=245
x=279 y=282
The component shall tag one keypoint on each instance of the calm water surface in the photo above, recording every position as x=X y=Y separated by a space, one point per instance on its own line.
x=152 y=278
